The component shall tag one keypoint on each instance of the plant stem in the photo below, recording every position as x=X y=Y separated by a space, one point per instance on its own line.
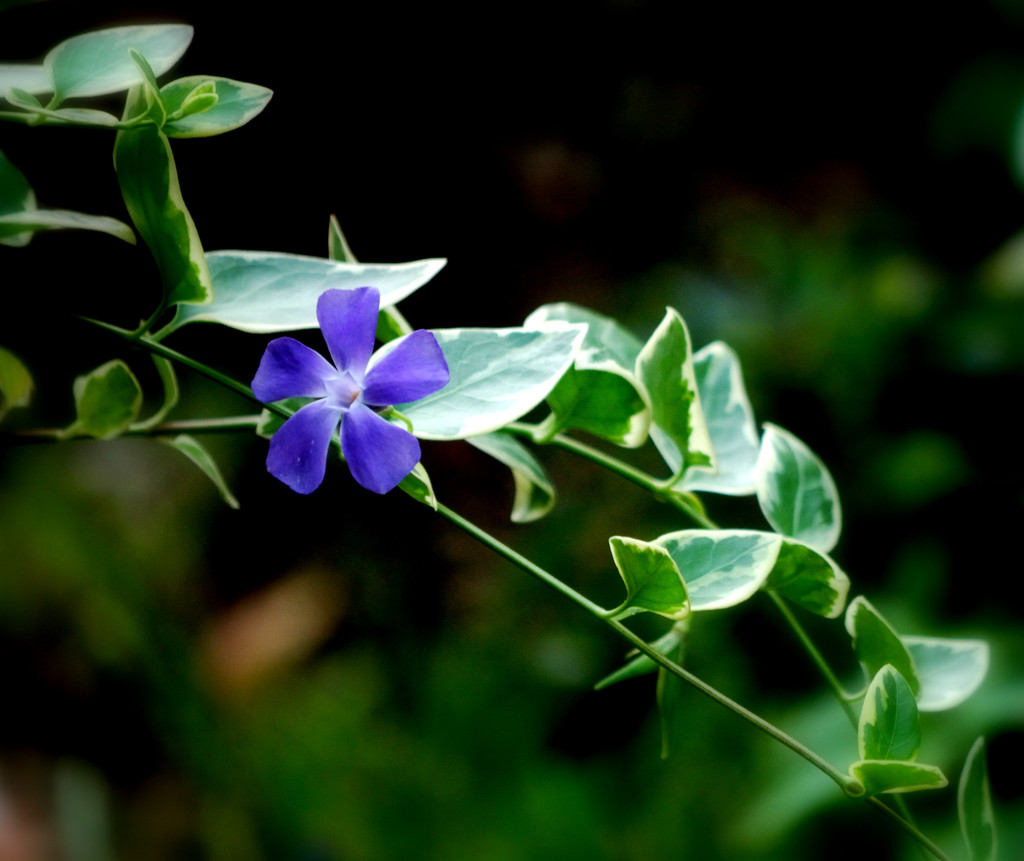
x=683 y=501
x=838 y=690
x=845 y=782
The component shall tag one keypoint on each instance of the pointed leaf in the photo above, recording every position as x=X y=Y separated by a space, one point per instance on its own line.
x=62 y=219
x=796 y=491
x=600 y=394
x=496 y=376
x=107 y=400
x=419 y=486
x=878 y=776
x=730 y=423
x=653 y=582
x=667 y=645
x=93 y=64
x=222 y=106
x=16 y=197
x=877 y=644
x=263 y=291
x=949 y=670
x=722 y=567
x=810 y=579
x=665 y=368
x=197 y=453
x=535 y=494
x=974 y=804
x=149 y=183
x=889 y=728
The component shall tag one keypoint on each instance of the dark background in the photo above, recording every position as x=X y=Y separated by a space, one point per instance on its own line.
x=829 y=191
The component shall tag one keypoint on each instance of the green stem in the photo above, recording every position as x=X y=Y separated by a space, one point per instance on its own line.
x=159 y=349
x=840 y=693
x=845 y=782
x=684 y=502
x=223 y=425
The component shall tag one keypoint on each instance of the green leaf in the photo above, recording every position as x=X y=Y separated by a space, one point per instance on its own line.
x=730 y=423
x=809 y=578
x=93 y=64
x=61 y=219
x=890 y=728
x=653 y=582
x=796 y=492
x=669 y=645
x=60 y=116
x=15 y=383
x=496 y=376
x=418 y=485
x=265 y=292
x=877 y=644
x=107 y=400
x=390 y=322
x=195 y=452
x=878 y=776
x=974 y=804
x=202 y=106
x=337 y=245
x=721 y=567
x=149 y=184
x=600 y=394
x=603 y=403
x=665 y=367
x=535 y=494
x=948 y=670
x=16 y=197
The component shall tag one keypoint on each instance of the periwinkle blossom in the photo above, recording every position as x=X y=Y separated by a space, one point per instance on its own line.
x=379 y=454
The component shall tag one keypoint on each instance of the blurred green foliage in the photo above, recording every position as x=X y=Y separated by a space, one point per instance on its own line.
x=333 y=679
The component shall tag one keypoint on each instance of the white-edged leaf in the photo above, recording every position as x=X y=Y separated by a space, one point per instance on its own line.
x=265 y=291
x=419 y=486
x=496 y=376
x=665 y=368
x=601 y=395
x=197 y=453
x=878 y=776
x=232 y=105
x=96 y=63
x=949 y=670
x=730 y=423
x=889 y=727
x=653 y=582
x=534 y=492
x=30 y=77
x=34 y=220
x=721 y=567
x=809 y=578
x=974 y=806
x=795 y=490
x=876 y=642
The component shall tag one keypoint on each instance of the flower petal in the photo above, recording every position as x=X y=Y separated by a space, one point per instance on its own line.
x=298 y=451
x=415 y=368
x=348 y=319
x=290 y=369
x=379 y=453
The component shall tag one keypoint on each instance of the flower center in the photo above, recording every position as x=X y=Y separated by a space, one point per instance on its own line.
x=342 y=390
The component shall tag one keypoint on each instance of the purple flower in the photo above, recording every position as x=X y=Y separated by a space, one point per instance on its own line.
x=379 y=454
